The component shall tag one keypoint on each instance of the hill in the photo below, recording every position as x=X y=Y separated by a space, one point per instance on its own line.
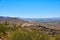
x=53 y=23
x=49 y=23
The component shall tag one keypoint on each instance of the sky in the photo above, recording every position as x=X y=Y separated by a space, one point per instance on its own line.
x=30 y=8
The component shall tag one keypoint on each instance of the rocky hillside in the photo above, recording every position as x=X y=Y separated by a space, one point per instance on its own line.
x=30 y=25
x=53 y=23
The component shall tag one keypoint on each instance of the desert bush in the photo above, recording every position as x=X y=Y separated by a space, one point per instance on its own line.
x=24 y=34
x=57 y=36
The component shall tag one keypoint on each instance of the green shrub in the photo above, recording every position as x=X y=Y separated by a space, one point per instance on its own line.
x=24 y=34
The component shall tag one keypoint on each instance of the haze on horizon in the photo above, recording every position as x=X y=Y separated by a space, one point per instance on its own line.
x=30 y=8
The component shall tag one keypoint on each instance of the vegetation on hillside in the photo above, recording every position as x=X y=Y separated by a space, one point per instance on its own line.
x=16 y=32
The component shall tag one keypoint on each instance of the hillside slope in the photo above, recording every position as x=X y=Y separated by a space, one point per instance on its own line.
x=47 y=24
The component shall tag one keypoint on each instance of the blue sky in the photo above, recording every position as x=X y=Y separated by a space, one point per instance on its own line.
x=30 y=8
